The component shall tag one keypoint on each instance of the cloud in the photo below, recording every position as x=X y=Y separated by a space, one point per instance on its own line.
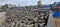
x=49 y=1
x=27 y=2
x=22 y=2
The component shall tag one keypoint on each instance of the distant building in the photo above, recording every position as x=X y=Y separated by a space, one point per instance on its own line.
x=39 y=2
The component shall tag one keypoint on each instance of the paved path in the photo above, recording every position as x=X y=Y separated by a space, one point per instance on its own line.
x=50 y=21
x=2 y=17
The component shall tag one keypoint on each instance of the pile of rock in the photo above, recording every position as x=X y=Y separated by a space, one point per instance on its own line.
x=26 y=18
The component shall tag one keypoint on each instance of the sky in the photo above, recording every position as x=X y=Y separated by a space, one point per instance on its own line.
x=26 y=2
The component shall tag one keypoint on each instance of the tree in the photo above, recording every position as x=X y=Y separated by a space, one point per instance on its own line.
x=26 y=6
x=5 y=6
